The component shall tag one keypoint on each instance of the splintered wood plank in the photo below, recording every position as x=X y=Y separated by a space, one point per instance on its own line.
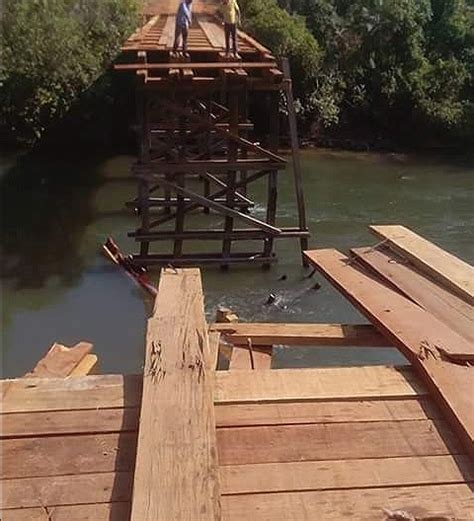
x=423 y=339
x=315 y=384
x=68 y=422
x=88 y=365
x=87 y=392
x=239 y=415
x=56 y=455
x=448 y=308
x=243 y=359
x=434 y=502
x=333 y=441
x=60 y=361
x=303 y=334
x=118 y=511
x=448 y=269
x=105 y=487
x=176 y=467
x=214 y=342
x=360 y=473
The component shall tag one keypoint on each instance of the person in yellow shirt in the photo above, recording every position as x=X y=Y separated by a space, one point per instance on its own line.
x=230 y=12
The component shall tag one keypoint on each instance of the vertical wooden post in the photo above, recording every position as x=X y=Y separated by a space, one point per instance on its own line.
x=296 y=156
x=274 y=138
x=232 y=155
x=180 y=177
x=207 y=184
x=245 y=114
x=144 y=156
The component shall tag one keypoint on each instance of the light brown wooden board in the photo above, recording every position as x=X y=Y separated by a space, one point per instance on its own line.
x=241 y=359
x=167 y=36
x=283 y=443
x=68 y=422
x=57 y=455
x=87 y=392
x=214 y=33
x=176 y=473
x=418 y=335
x=340 y=474
x=60 y=361
x=453 y=311
x=105 y=487
x=448 y=269
x=246 y=479
x=315 y=384
x=248 y=414
x=116 y=391
x=303 y=334
x=357 y=505
x=228 y=415
x=427 y=502
x=96 y=512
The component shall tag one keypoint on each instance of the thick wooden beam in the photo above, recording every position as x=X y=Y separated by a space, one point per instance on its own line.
x=428 y=343
x=176 y=467
x=452 y=272
x=194 y=66
x=262 y=334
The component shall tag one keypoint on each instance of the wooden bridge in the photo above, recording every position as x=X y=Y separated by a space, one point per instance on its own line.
x=196 y=151
x=199 y=438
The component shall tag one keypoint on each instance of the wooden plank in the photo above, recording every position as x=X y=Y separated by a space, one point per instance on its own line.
x=419 y=336
x=60 y=360
x=58 y=455
x=87 y=392
x=214 y=342
x=345 y=474
x=119 y=511
x=335 y=441
x=428 y=503
x=176 y=468
x=68 y=422
x=244 y=359
x=315 y=384
x=303 y=334
x=167 y=36
x=452 y=272
x=87 y=365
x=214 y=33
x=105 y=487
x=227 y=415
x=194 y=65
x=344 y=411
x=445 y=306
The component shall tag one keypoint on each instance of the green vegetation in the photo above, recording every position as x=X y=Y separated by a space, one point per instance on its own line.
x=398 y=66
x=52 y=53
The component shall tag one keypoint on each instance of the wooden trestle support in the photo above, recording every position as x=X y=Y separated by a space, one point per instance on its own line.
x=195 y=154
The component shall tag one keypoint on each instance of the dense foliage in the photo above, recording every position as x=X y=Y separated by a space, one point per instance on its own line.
x=52 y=52
x=398 y=65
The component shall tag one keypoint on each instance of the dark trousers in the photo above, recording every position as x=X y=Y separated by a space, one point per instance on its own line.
x=230 y=31
x=180 y=32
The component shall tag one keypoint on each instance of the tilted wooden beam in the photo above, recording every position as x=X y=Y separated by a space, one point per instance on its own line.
x=176 y=472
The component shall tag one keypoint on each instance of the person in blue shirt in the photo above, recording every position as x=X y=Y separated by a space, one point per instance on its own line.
x=183 y=21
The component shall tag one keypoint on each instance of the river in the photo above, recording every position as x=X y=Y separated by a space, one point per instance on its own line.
x=56 y=286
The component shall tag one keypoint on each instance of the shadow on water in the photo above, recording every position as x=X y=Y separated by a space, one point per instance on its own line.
x=46 y=207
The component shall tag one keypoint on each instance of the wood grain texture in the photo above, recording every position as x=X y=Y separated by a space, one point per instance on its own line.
x=119 y=511
x=262 y=334
x=242 y=359
x=419 y=336
x=105 y=487
x=342 y=474
x=176 y=467
x=248 y=414
x=57 y=455
x=434 y=502
x=60 y=361
x=315 y=384
x=450 y=309
x=452 y=272
x=87 y=392
x=333 y=441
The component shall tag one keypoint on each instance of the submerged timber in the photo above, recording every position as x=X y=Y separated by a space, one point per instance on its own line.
x=201 y=437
